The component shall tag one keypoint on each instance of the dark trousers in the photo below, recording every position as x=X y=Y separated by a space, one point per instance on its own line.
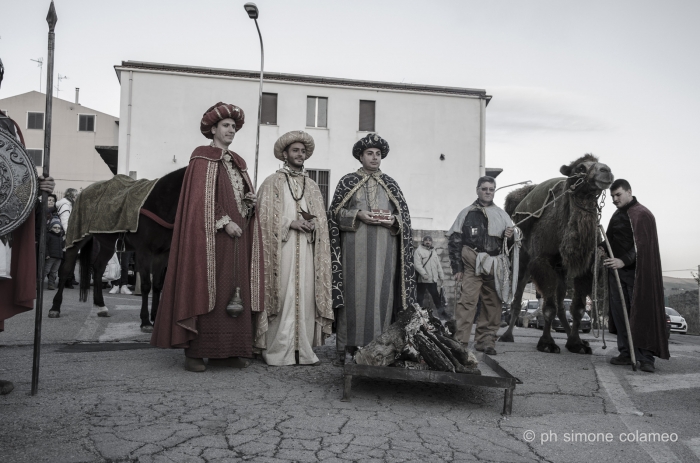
x=124 y=258
x=623 y=344
x=432 y=289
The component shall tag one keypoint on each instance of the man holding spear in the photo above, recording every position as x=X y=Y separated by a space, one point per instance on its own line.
x=17 y=292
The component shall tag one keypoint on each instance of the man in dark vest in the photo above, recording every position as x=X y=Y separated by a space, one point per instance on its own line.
x=635 y=244
x=17 y=293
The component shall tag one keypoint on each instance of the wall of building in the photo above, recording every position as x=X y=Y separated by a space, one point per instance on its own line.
x=74 y=161
x=160 y=114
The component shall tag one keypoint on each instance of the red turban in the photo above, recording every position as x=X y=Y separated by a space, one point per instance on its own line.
x=219 y=112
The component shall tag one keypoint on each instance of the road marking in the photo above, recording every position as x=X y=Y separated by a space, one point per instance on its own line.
x=653 y=383
x=630 y=416
x=127 y=307
x=123 y=331
x=694 y=445
x=90 y=327
x=612 y=386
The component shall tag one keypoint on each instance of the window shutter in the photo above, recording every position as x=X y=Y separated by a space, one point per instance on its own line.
x=37 y=156
x=35 y=121
x=269 y=108
x=322 y=112
x=311 y=111
x=366 y=116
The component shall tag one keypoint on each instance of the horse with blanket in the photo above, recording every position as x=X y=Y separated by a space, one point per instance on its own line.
x=121 y=214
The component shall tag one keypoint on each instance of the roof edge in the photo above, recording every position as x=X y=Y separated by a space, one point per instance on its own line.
x=282 y=77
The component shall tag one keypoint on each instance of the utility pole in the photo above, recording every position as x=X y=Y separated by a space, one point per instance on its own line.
x=41 y=69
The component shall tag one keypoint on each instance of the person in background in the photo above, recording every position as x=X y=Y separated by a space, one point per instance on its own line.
x=429 y=270
x=64 y=207
x=122 y=286
x=54 y=252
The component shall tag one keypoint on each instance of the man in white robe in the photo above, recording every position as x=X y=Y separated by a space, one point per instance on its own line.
x=297 y=259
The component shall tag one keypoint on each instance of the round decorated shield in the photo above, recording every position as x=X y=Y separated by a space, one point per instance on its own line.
x=18 y=183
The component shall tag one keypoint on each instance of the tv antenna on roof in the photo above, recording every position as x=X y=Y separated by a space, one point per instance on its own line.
x=41 y=69
x=58 y=86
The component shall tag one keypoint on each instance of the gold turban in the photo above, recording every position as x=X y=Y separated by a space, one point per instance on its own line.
x=293 y=137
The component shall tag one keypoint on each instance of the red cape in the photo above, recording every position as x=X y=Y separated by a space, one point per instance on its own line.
x=187 y=292
x=647 y=314
x=17 y=295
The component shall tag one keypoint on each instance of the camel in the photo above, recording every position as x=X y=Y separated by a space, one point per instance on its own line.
x=559 y=242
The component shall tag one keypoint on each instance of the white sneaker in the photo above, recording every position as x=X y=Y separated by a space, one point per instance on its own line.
x=125 y=290
x=114 y=290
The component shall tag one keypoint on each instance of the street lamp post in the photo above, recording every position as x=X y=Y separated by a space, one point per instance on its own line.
x=252 y=11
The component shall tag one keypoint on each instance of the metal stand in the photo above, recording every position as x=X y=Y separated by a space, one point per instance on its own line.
x=504 y=380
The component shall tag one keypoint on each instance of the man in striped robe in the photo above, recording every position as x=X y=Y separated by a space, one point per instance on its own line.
x=372 y=249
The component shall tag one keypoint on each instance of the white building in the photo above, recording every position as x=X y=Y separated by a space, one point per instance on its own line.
x=83 y=141
x=436 y=134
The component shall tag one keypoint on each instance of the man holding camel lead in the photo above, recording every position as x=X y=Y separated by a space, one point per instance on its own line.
x=476 y=235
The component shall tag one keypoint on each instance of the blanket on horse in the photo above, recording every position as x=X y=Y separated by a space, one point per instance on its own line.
x=538 y=197
x=111 y=206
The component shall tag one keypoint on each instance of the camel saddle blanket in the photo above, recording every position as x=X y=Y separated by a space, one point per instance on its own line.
x=111 y=206
x=532 y=204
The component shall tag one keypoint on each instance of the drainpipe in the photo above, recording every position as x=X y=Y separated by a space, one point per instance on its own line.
x=128 y=124
x=482 y=144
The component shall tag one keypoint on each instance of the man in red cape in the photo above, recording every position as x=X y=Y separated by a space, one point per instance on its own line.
x=635 y=245
x=17 y=294
x=215 y=255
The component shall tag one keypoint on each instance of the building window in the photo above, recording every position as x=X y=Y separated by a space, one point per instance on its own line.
x=37 y=156
x=269 y=109
x=366 y=116
x=35 y=121
x=316 y=111
x=322 y=177
x=86 y=122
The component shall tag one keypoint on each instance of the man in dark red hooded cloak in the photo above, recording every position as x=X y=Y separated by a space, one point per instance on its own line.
x=635 y=245
x=215 y=255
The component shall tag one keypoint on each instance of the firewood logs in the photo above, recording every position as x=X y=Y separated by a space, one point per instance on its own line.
x=415 y=340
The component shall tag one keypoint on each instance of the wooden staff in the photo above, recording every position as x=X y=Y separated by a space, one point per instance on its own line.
x=622 y=299
x=51 y=18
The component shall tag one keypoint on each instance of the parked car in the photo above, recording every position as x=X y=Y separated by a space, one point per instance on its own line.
x=678 y=324
x=584 y=326
x=528 y=308
x=668 y=325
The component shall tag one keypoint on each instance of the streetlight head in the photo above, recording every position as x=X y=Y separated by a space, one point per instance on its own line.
x=251 y=9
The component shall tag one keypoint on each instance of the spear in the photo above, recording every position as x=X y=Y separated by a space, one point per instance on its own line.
x=51 y=18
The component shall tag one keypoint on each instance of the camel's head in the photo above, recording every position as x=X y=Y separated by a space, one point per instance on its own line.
x=597 y=176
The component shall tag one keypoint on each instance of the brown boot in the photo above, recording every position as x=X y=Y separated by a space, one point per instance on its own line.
x=196 y=365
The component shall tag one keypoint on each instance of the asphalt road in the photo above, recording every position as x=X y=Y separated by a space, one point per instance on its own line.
x=105 y=396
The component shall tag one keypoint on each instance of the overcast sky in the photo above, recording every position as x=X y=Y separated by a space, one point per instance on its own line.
x=620 y=79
